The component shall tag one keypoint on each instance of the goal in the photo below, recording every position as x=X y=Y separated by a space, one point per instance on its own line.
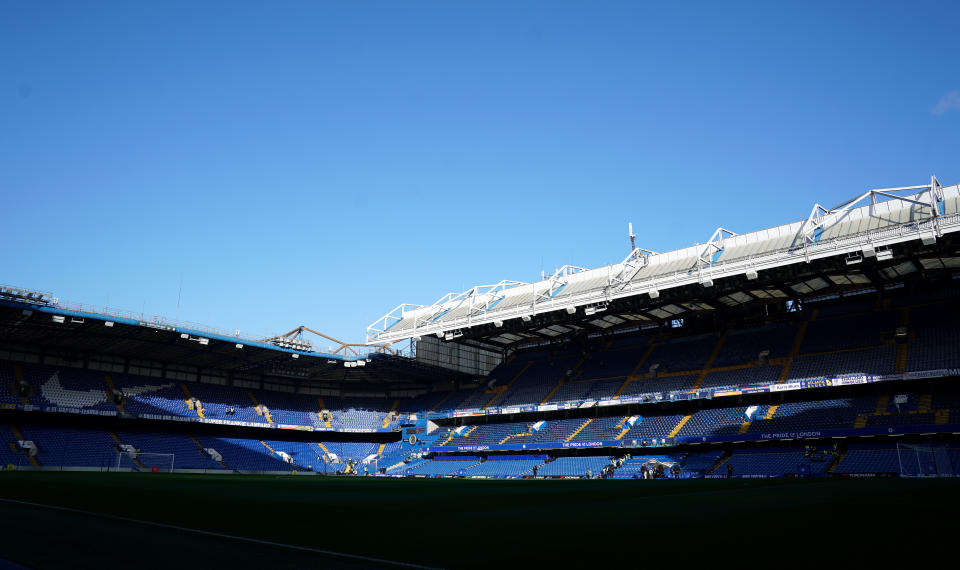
x=924 y=461
x=146 y=462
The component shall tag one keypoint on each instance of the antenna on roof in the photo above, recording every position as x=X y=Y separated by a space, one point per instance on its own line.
x=633 y=237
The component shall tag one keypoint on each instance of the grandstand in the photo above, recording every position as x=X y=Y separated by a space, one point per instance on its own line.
x=834 y=331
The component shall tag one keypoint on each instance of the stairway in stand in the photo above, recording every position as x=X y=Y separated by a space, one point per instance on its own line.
x=120 y=451
x=679 y=426
x=578 y=430
x=19 y=435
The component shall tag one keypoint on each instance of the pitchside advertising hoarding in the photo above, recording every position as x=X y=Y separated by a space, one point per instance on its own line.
x=669 y=442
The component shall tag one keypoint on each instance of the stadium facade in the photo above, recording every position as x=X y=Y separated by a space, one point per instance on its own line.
x=827 y=346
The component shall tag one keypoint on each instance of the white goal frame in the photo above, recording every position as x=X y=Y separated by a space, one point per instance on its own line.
x=938 y=462
x=133 y=466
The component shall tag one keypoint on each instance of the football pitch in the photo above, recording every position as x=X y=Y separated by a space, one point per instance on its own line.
x=106 y=520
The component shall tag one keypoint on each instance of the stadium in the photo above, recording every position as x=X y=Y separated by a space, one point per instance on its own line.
x=758 y=389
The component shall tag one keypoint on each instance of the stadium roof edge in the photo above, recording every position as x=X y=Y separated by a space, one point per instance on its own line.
x=874 y=219
x=53 y=308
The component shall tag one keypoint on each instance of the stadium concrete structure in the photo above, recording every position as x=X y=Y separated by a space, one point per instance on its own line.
x=823 y=347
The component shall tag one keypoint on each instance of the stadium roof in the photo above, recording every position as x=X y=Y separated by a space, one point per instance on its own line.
x=31 y=321
x=885 y=224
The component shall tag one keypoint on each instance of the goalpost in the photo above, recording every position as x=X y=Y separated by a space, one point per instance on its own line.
x=146 y=462
x=924 y=461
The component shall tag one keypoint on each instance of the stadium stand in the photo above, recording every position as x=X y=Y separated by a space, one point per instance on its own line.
x=573 y=466
x=842 y=347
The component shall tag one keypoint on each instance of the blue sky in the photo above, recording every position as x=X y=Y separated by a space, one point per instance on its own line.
x=319 y=163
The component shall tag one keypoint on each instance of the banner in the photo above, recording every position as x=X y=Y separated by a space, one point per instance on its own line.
x=298 y=428
x=821 y=434
x=523 y=446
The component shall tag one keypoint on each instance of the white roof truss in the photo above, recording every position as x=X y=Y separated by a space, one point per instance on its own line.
x=871 y=223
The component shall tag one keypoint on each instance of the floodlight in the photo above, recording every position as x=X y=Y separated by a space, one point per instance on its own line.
x=707 y=282
x=571 y=310
x=238 y=345
x=58 y=319
x=108 y=323
x=751 y=274
x=654 y=294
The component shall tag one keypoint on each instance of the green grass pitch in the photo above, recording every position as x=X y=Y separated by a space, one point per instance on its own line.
x=470 y=523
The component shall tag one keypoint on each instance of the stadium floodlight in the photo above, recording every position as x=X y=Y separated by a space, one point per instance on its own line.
x=868 y=251
x=498 y=324
x=571 y=310
x=238 y=345
x=654 y=294
x=108 y=323
x=884 y=254
x=59 y=319
x=440 y=334
x=526 y=318
x=361 y=363
x=184 y=335
x=751 y=274
x=854 y=258
x=707 y=282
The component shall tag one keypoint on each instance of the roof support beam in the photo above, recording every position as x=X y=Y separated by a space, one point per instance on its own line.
x=713 y=245
x=629 y=268
x=557 y=281
x=822 y=218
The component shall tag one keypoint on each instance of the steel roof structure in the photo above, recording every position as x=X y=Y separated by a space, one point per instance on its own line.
x=886 y=226
x=35 y=322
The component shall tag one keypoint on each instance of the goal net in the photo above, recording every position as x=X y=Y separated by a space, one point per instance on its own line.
x=146 y=462
x=924 y=461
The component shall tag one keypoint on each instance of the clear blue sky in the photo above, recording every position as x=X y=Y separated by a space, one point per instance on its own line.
x=319 y=163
